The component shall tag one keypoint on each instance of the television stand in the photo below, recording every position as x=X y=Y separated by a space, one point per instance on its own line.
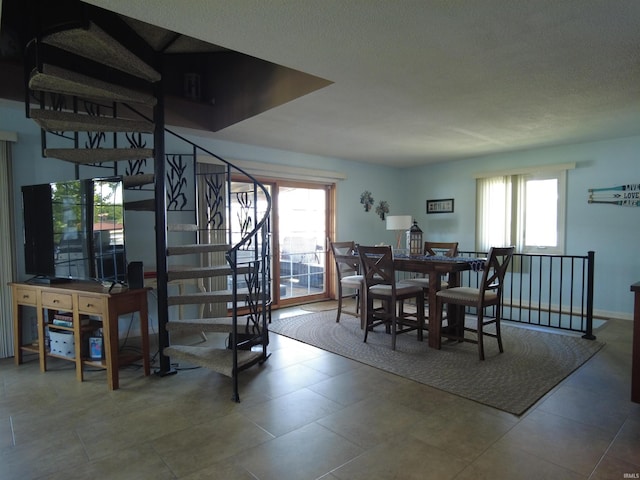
x=81 y=300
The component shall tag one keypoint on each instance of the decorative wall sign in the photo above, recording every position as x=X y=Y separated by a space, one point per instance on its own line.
x=443 y=205
x=622 y=195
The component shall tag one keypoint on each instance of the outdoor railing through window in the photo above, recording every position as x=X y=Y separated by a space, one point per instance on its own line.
x=554 y=291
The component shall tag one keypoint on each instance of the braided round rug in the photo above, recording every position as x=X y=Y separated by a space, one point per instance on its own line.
x=533 y=361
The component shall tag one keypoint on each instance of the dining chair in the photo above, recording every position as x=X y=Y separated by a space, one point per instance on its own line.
x=447 y=249
x=348 y=277
x=489 y=293
x=381 y=285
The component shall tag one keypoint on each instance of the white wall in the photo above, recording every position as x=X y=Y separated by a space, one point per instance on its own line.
x=611 y=231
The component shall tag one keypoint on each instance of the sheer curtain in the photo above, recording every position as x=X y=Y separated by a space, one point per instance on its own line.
x=7 y=248
x=494 y=226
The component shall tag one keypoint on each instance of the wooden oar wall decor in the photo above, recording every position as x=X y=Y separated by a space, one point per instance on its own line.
x=623 y=195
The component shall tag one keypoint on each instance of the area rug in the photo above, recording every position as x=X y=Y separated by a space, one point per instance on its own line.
x=533 y=362
x=348 y=306
x=321 y=306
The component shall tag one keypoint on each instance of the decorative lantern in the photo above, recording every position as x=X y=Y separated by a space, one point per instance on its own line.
x=414 y=240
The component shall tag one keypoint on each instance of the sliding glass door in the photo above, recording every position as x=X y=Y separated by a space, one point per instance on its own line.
x=302 y=232
x=300 y=223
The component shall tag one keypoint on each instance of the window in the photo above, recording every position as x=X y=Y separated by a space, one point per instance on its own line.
x=525 y=209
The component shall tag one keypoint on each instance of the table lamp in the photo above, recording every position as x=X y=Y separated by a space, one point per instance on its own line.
x=399 y=223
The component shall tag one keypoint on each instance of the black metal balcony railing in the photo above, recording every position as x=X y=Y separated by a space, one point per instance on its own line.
x=554 y=291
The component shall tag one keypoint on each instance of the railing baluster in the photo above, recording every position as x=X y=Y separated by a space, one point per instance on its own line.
x=550 y=290
x=573 y=262
x=590 y=278
x=530 y=273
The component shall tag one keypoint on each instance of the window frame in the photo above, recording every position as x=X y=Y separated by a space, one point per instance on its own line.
x=559 y=248
x=514 y=210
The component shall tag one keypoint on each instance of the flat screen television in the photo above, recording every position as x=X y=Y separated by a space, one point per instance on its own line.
x=74 y=230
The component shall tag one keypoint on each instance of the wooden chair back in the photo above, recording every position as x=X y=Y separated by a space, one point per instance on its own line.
x=448 y=249
x=377 y=265
x=494 y=271
x=347 y=262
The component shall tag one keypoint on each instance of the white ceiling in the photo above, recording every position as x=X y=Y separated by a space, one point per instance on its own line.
x=426 y=81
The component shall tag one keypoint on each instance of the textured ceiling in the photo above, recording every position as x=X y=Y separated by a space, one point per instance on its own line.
x=426 y=81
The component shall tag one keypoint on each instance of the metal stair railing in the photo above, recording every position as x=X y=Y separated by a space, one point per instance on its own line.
x=255 y=242
x=103 y=123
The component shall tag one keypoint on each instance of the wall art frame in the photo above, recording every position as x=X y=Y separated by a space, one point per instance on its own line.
x=441 y=205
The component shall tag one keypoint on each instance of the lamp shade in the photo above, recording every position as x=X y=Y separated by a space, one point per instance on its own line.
x=399 y=222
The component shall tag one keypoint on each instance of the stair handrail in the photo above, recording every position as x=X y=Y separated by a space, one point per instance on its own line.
x=259 y=224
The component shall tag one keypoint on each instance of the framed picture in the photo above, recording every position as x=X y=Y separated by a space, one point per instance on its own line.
x=442 y=205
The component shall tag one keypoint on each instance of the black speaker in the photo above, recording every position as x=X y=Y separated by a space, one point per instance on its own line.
x=135 y=275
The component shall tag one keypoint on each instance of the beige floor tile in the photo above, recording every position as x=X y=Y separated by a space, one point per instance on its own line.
x=403 y=457
x=7 y=439
x=276 y=383
x=291 y=411
x=306 y=453
x=200 y=446
x=355 y=385
x=568 y=443
x=600 y=409
x=106 y=437
x=507 y=462
x=626 y=445
x=332 y=365
x=132 y=463
x=611 y=468
x=466 y=432
x=289 y=353
x=419 y=397
x=52 y=452
x=371 y=421
x=223 y=470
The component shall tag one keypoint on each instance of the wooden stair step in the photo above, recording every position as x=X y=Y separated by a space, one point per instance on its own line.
x=60 y=80
x=205 y=297
x=55 y=121
x=201 y=272
x=131 y=181
x=216 y=359
x=215 y=325
x=197 y=248
x=95 y=44
x=98 y=155
x=218 y=296
x=148 y=205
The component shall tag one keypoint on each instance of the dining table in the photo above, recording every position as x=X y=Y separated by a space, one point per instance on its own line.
x=435 y=266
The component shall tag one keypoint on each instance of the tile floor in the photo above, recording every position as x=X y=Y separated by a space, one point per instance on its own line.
x=309 y=414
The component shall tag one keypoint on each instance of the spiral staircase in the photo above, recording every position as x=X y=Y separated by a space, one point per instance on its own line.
x=98 y=99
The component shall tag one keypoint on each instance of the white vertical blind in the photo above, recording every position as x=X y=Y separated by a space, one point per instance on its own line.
x=7 y=249
x=524 y=210
x=493 y=230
